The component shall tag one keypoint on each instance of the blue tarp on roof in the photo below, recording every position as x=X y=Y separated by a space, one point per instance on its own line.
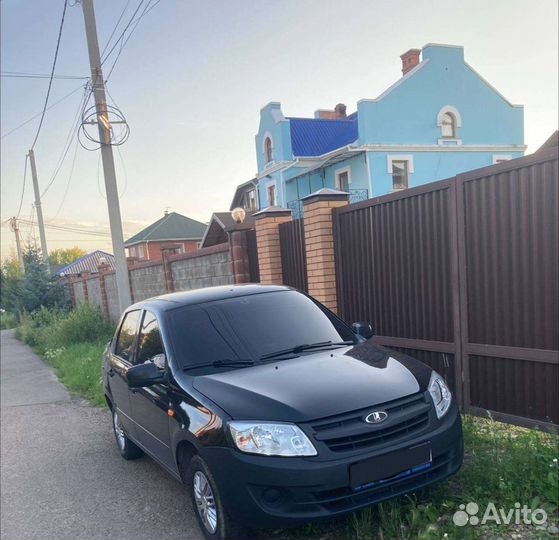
x=314 y=136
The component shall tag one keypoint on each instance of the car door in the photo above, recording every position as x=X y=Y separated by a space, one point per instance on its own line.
x=121 y=360
x=149 y=405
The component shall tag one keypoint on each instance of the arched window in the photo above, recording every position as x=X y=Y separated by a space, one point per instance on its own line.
x=268 y=149
x=448 y=125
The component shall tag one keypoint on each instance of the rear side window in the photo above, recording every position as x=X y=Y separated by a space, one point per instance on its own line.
x=150 y=345
x=126 y=336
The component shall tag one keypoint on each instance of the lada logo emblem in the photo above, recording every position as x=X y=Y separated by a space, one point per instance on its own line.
x=376 y=417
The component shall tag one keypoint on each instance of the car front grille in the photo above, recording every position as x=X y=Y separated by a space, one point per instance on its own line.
x=406 y=417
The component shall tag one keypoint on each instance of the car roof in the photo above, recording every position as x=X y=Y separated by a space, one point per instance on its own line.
x=174 y=300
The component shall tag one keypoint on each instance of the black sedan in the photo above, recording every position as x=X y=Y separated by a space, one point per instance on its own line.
x=272 y=410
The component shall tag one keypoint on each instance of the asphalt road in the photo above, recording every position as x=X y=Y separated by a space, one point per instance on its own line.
x=61 y=475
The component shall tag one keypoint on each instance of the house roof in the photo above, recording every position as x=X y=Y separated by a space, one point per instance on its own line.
x=215 y=231
x=171 y=226
x=87 y=263
x=552 y=141
x=317 y=136
x=240 y=191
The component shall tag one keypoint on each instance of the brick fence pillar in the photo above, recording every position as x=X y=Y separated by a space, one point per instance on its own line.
x=267 y=224
x=167 y=272
x=238 y=247
x=319 y=244
x=70 y=284
x=103 y=269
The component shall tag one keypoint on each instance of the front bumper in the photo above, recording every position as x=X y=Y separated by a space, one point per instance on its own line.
x=263 y=491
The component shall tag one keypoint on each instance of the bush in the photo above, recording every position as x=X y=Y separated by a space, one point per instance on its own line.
x=53 y=328
x=73 y=343
x=7 y=321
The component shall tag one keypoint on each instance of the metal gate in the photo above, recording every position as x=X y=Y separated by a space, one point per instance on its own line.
x=293 y=256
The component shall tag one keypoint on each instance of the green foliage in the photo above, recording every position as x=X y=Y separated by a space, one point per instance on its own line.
x=73 y=343
x=59 y=257
x=503 y=464
x=38 y=287
x=7 y=320
x=78 y=366
x=11 y=276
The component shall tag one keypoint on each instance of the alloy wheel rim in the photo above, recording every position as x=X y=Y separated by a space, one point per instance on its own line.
x=119 y=431
x=205 y=501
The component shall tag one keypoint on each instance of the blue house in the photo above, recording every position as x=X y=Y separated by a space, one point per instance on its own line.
x=439 y=119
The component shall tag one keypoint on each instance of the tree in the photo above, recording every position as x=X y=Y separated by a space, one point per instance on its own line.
x=60 y=257
x=38 y=287
x=11 y=277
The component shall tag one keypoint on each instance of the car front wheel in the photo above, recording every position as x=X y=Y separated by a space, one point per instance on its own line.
x=215 y=522
x=127 y=449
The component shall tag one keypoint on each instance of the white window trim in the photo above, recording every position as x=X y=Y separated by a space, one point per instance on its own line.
x=141 y=252
x=399 y=157
x=341 y=171
x=446 y=140
x=268 y=184
x=501 y=157
x=452 y=110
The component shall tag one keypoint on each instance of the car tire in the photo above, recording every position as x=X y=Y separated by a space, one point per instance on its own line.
x=127 y=449
x=212 y=517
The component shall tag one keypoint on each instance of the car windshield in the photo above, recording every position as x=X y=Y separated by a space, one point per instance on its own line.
x=250 y=327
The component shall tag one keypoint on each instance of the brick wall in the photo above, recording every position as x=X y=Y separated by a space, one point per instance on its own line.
x=206 y=267
x=147 y=281
x=197 y=272
x=94 y=291
x=112 y=297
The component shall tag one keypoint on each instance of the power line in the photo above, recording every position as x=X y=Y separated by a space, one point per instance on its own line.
x=147 y=9
x=39 y=114
x=51 y=74
x=73 y=131
x=116 y=26
x=68 y=182
x=123 y=32
x=20 y=75
x=23 y=188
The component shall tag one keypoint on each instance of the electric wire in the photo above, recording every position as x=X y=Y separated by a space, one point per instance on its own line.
x=39 y=113
x=51 y=75
x=23 y=188
x=115 y=27
x=17 y=75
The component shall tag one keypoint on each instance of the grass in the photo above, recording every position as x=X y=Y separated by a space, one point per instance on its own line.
x=7 y=321
x=503 y=464
x=73 y=344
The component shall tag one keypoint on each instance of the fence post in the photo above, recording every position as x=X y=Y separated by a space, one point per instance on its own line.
x=319 y=243
x=167 y=272
x=102 y=268
x=267 y=224
x=238 y=247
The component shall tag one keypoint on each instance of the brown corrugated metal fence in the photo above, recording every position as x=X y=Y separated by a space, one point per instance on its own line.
x=293 y=257
x=463 y=274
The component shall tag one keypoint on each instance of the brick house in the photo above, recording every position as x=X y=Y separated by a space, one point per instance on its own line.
x=173 y=233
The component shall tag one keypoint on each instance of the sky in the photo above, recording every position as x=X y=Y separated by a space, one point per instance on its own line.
x=194 y=75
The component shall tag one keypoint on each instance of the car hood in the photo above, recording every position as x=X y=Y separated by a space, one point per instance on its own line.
x=315 y=385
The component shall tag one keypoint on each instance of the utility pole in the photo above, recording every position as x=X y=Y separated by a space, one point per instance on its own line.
x=98 y=85
x=15 y=230
x=39 y=209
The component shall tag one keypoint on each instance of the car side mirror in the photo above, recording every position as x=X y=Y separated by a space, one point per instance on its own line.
x=144 y=375
x=363 y=329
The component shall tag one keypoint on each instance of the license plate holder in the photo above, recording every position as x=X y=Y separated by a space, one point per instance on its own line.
x=388 y=465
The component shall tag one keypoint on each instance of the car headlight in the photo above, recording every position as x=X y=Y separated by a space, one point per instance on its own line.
x=440 y=393
x=271 y=439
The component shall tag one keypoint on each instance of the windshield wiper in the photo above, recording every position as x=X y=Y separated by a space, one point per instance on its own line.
x=221 y=363
x=306 y=347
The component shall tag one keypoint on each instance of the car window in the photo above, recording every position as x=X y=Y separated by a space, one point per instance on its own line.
x=150 y=344
x=250 y=327
x=126 y=336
